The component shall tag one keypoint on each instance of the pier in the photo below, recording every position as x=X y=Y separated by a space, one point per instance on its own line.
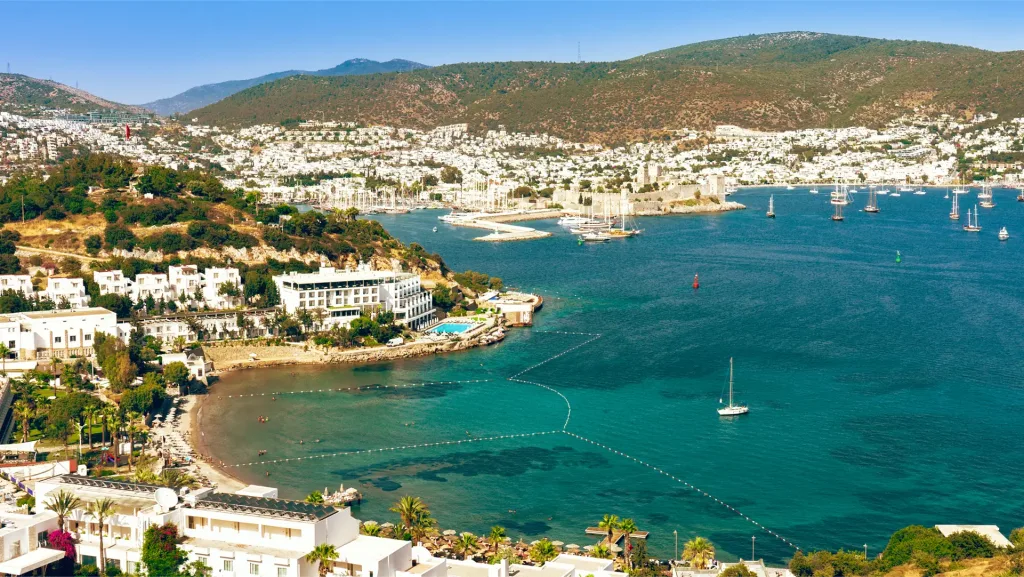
x=503 y=232
x=617 y=535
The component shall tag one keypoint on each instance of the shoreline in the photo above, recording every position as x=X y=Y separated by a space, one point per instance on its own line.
x=192 y=432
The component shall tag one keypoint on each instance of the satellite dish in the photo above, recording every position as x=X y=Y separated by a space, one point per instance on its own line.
x=166 y=498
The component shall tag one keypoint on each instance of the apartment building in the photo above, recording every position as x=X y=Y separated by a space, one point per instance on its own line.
x=61 y=333
x=344 y=295
x=114 y=282
x=213 y=325
x=185 y=280
x=213 y=278
x=17 y=282
x=152 y=285
x=248 y=533
x=61 y=289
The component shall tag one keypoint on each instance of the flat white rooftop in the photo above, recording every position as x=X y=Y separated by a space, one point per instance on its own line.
x=989 y=531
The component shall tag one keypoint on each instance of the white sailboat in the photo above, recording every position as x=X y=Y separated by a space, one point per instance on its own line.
x=1004 y=234
x=985 y=196
x=955 y=213
x=872 y=205
x=626 y=228
x=840 y=198
x=815 y=190
x=732 y=409
x=975 y=227
x=771 y=206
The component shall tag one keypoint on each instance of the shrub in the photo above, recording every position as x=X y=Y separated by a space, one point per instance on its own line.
x=969 y=545
x=905 y=542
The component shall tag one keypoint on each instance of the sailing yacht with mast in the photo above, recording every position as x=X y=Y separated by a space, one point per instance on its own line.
x=771 y=206
x=626 y=229
x=840 y=198
x=985 y=196
x=955 y=213
x=972 y=227
x=732 y=409
x=872 y=205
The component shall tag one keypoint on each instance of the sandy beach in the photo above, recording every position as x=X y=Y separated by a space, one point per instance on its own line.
x=189 y=426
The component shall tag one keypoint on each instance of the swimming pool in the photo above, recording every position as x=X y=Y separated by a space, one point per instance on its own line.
x=452 y=328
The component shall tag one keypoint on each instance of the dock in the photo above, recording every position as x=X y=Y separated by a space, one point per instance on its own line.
x=501 y=232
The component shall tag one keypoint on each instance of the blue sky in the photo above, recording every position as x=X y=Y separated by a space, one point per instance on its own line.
x=137 y=52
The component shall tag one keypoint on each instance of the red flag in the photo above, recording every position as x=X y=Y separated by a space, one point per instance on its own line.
x=127 y=132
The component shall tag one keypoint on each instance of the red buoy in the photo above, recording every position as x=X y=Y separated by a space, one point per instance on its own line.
x=696 y=283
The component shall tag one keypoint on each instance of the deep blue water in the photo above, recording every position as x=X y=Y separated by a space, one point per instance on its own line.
x=882 y=393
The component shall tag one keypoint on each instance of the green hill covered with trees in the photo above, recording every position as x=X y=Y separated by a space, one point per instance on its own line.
x=770 y=81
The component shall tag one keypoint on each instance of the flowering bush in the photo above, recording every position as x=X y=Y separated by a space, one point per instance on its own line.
x=62 y=540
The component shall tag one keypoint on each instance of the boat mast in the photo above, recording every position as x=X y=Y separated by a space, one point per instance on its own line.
x=730 y=382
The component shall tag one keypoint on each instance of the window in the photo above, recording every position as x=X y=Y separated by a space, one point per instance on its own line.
x=131 y=566
x=282 y=572
x=254 y=568
x=87 y=338
x=229 y=566
x=56 y=339
x=72 y=338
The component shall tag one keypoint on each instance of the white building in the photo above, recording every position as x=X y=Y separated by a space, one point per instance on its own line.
x=23 y=545
x=69 y=290
x=17 y=282
x=215 y=325
x=185 y=280
x=114 y=282
x=344 y=295
x=213 y=279
x=235 y=534
x=57 y=333
x=153 y=285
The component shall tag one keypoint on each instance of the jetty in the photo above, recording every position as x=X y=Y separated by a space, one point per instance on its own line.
x=501 y=231
x=617 y=536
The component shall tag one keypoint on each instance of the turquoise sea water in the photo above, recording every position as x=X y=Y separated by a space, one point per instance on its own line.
x=881 y=394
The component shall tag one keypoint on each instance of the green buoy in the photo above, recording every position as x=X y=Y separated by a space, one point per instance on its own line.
x=898 y=257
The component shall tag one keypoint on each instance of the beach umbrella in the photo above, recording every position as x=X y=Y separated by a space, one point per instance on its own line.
x=615 y=549
x=557 y=543
x=589 y=547
x=534 y=542
x=449 y=532
x=572 y=546
x=388 y=525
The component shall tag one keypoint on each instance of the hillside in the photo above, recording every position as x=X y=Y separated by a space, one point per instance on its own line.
x=200 y=96
x=18 y=91
x=770 y=81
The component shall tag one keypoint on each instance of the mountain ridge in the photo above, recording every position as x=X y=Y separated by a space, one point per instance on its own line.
x=20 y=90
x=777 y=81
x=205 y=94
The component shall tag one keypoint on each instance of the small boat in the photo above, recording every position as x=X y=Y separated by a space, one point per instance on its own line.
x=975 y=227
x=790 y=187
x=815 y=191
x=920 y=192
x=575 y=220
x=771 y=206
x=1003 y=234
x=947 y=194
x=985 y=196
x=899 y=257
x=882 y=192
x=906 y=189
x=435 y=229
x=595 y=237
x=1020 y=197
x=732 y=409
x=895 y=194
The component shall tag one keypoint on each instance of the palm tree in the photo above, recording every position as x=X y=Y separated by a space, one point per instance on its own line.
x=132 y=429
x=543 y=551
x=412 y=511
x=175 y=479
x=24 y=412
x=179 y=344
x=323 y=555
x=699 y=552
x=610 y=523
x=4 y=351
x=315 y=498
x=370 y=528
x=101 y=509
x=627 y=526
x=601 y=551
x=90 y=414
x=116 y=419
x=466 y=544
x=498 y=536
x=63 y=503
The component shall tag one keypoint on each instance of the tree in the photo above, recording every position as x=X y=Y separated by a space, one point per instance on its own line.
x=410 y=510
x=971 y=545
x=120 y=371
x=1017 y=538
x=160 y=551
x=177 y=373
x=601 y=551
x=370 y=528
x=543 y=551
x=451 y=175
x=699 y=552
x=4 y=352
x=627 y=526
x=609 y=523
x=24 y=412
x=315 y=498
x=63 y=503
x=322 y=555
x=101 y=509
x=466 y=545
x=63 y=541
x=497 y=537
x=737 y=570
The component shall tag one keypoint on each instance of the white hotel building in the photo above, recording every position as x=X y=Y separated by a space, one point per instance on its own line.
x=344 y=295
